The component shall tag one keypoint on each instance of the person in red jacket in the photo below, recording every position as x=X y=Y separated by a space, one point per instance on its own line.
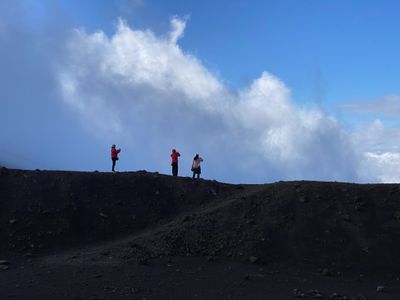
x=114 y=156
x=174 y=156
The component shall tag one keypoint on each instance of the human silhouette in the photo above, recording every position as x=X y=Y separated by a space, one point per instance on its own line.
x=196 y=169
x=114 y=156
x=174 y=162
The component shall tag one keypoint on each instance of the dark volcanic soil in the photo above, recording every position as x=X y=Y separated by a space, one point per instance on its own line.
x=138 y=235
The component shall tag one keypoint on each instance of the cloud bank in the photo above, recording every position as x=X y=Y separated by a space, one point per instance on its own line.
x=143 y=92
x=37 y=129
x=146 y=89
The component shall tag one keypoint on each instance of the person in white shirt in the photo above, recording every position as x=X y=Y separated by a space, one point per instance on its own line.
x=196 y=169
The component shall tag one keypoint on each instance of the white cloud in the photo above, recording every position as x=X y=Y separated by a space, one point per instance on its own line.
x=387 y=106
x=380 y=167
x=379 y=148
x=376 y=137
x=143 y=92
x=146 y=89
x=178 y=28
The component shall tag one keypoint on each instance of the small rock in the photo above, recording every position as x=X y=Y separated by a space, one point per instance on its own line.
x=298 y=294
x=3 y=262
x=365 y=249
x=326 y=272
x=302 y=200
x=253 y=259
x=103 y=215
x=380 y=289
x=12 y=221
x=3 y=267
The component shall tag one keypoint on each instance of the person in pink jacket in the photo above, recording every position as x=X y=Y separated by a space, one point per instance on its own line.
x=114 y=156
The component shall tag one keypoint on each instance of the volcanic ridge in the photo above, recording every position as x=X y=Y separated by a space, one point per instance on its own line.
x=94 y=235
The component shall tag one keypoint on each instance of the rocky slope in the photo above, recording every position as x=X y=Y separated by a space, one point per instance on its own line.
x=311 y=223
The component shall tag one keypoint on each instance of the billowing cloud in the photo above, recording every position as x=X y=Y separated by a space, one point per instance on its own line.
x=379 y=148
x=376 y=137
x=143 y=84
x=143 y=92
x=382 y=167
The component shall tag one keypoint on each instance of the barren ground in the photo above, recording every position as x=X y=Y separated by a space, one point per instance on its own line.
x=139 y=235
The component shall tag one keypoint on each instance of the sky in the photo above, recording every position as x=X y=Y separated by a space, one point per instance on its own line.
x=262 y=90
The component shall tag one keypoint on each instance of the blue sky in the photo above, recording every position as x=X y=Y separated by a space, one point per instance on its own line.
x=335 y=46
x=263 y=90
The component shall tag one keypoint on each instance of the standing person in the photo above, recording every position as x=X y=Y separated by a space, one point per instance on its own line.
x=174 y=157
x=114 y=156
x=196 y=169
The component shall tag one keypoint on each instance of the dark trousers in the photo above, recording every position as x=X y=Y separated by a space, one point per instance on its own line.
x=197 y=171
x=114 y=160
x=174 y=169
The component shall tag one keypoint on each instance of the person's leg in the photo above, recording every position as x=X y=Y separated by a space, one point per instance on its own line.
x=113 y=165
x=174 y=169
x=194 y=173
